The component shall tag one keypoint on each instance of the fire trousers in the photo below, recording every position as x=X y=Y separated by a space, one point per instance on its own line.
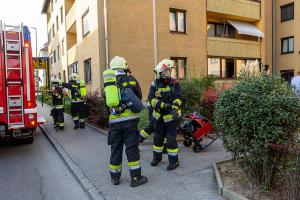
x=164 y=130
x=121 y=133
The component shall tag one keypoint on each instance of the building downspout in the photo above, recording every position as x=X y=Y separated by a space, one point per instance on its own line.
x=155 y=32
x=273 y=36
x=106 y=34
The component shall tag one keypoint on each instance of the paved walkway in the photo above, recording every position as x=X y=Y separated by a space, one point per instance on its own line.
x=88 y=149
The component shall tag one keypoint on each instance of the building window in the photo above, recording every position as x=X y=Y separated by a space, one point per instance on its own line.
x=54 y=56
x=63 y=47
x=49 y=36
x=73 y=68
x=61 y=15
x=58 y=52
x=59 y=76
x=64 y=76
x=50 y=58
x=287 y=12
x=85 y=24
x=287 y=45
x=231 y=68
x=57 y=24
x=177 y=20
x=88 y=71
x=220 y=30
x=287 y=75
x=180 y=63
x=53 y=31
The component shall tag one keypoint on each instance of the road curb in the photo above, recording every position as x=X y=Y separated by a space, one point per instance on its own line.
x=85 y=183
x=223 y=191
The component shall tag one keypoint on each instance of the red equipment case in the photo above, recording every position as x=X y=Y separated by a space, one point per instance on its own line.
x=18 y=109
x=195 y=128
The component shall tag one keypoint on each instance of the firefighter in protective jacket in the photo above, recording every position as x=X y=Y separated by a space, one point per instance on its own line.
x=78 y=94
x=57 y=111
x=123 y=120
x=165 y=99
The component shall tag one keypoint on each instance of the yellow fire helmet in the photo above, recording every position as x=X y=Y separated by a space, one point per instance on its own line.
x=74 y=76
x=118 y=63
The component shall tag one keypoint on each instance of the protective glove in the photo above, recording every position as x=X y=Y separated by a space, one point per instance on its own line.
x=175 y=114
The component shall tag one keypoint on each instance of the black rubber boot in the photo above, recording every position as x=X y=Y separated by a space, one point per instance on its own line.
x=173 y=163
x=82 y=125
x=115 y=181
x=76 y=125
x=155 y=161
x=172 y=166
x=138 y=180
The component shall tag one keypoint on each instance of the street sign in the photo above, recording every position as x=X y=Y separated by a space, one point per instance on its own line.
x=40 y=63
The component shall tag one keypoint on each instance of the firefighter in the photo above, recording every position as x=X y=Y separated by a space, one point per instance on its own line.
x=165 y=99
x=123 y=122
x=58 y=105
x=78 y=94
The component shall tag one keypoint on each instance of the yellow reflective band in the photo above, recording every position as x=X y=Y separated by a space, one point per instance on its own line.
x=162 y=105
x=144 y=134
x=152 y=102
x=176 y=107
x=164 y=89
x=134 y=163
x=132 y=83
x=168 y=118
x=115 y=167
x=158 y=148
x=125 y=84
x=156 y=115
x=58 y=106
x=172 y=150
x=178 y=101
x=75 y=86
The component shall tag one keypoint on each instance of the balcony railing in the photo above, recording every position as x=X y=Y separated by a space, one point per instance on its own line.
x=72 y=55
x=71 y=17
x=248 y=9
x=227 y=47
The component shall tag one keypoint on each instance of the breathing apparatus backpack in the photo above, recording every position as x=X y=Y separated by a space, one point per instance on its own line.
x=118 y=98
x=82 y=88
x=111 y=89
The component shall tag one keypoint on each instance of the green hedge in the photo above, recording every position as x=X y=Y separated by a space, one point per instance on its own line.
x=192 y=94
x=254 y=114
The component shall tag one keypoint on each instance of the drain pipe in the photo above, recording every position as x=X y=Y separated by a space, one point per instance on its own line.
x=106 y=34
x=155 y=31
x=273 y=36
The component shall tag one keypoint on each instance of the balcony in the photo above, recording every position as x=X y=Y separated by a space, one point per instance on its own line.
x=226 y=47
x=246 y=10
x=72 y=55
x=71 y=17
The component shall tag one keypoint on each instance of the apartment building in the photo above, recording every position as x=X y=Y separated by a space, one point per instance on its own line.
x=287 y=34
x=203 y=37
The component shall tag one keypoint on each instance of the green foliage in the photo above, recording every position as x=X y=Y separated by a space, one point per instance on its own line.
x=143 y=119
x=192 y=93
x=254 y=113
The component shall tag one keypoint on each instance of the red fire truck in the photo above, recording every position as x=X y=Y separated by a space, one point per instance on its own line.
x=18 y=109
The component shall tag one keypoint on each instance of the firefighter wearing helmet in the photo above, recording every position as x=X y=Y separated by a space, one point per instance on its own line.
x=57 y=111
x=165 y=99
x=78 y=94
x=123 y=97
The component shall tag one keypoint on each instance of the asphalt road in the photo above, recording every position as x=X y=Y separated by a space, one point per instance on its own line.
x=36 y=172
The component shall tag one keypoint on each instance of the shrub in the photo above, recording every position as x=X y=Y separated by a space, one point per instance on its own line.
x=192 y=94
x=254 y=113
x=96 y=110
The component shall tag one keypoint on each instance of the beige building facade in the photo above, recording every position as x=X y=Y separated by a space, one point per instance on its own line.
x=203 y=37
x=287 y=34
